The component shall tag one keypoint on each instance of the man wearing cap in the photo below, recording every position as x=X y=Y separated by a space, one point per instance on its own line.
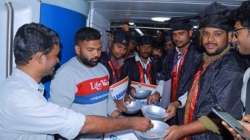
x=215 y=84
x=139 y=68
x=180 y=63
x=114 y=62
x=82 y=83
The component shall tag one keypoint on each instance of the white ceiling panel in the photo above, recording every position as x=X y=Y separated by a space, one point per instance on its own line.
x=136 y=10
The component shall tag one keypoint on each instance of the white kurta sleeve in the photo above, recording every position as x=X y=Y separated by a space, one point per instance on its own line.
x=159 y=88
x=183 y=99
x=32 y=113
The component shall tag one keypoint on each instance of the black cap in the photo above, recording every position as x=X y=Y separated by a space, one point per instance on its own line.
x=216 y=15
x=214 y=9
x=168 y=38
x=146 y=40
x=120 y=37
x=180 y=23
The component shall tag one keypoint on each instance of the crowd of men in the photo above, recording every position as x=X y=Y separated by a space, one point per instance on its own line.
x=209 y=71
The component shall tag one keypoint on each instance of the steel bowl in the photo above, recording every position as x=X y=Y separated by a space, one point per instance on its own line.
x=158 y=131
x=133 y=107
x=142 y=93
x=154 y=112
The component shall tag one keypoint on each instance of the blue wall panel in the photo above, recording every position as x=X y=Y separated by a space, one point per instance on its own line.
x=65 y=22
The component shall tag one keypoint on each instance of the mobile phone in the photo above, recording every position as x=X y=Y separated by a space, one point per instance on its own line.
x=230 y=120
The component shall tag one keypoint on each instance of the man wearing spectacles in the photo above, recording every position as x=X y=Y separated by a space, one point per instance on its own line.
x=242 y=37
x=238 y=30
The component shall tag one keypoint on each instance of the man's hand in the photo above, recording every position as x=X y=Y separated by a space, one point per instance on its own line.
x=140 y=123
x=172 y=108
x=234 y=133
x=246 y=119
x=115 y=114
x=120 y=105
x=246 y=128
x=132 y=91
x=154 y=98
x=128 y=98
x=174 y=133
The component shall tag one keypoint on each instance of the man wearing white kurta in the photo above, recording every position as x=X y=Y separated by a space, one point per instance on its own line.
x=25 y=114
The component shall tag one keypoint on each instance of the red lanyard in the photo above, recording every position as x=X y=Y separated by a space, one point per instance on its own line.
x=175 y=76
x=112 y=68
x=142 y=72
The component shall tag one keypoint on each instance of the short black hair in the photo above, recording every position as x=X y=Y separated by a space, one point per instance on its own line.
x=242 y=14
x=121 y=37
x=31 y=39
x=86 y=34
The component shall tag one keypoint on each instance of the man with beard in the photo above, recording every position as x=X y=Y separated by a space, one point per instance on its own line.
x=180 y=64
x=215 y=83
x=24 y=112
x=139 y=68
x=114 y=62
x=82 y=83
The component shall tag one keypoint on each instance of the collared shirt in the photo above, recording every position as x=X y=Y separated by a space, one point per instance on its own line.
x=144 y=65
x=179 y=57
x=244 y=86
x=26 y=115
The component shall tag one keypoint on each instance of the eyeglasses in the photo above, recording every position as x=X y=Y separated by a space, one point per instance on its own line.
x=236 y=31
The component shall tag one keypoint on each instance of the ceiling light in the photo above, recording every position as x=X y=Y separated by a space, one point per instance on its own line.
x=160 y=19
x=195 y=26
x=131 y=23
x=139 y=31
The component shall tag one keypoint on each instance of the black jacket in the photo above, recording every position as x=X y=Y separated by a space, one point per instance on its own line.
x=191 y=64
x=220 y=85
x=105 y=58
x=131 y=69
